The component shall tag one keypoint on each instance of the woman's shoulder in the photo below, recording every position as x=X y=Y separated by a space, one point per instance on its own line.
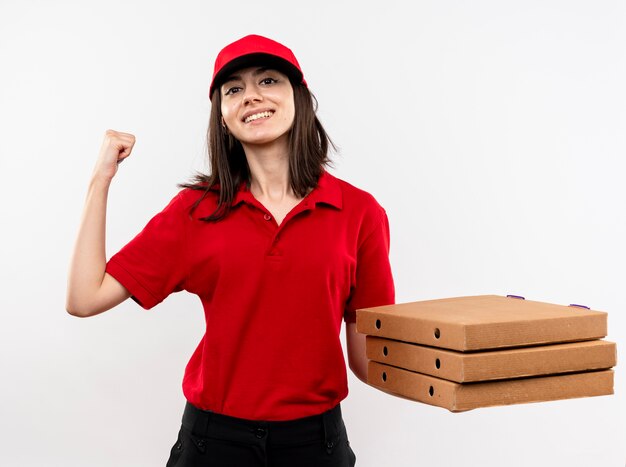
x=354 y=196
x=192 y=194
x=187 y=199
x=358 y=205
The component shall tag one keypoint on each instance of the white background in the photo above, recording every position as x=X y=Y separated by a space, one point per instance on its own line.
x=491 y=131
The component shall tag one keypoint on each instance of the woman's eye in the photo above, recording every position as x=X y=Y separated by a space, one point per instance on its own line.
x=232 y=90
x=268 y=81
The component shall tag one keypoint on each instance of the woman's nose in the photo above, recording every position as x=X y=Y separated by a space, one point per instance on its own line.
x=251 y=95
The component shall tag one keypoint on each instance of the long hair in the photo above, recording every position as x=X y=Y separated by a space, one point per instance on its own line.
x=308 y=154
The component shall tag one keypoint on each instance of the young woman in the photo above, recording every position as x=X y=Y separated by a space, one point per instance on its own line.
x=279 y=252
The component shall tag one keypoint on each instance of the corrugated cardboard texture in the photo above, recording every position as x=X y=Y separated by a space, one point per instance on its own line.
x=495 y=364
x=482 y=322
x=458 y=397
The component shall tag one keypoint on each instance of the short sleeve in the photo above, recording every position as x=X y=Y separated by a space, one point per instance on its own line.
x=153 y=264
x=374 y=284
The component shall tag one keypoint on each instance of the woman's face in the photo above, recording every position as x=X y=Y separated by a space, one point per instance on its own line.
x=258 y=106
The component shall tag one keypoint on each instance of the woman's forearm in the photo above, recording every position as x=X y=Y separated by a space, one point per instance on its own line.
x=86 y=272
x=357 y=358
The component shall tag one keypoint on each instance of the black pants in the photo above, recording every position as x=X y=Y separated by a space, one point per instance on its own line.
x=214 y=440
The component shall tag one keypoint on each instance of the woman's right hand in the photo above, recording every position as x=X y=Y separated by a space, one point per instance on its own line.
x=116 y=147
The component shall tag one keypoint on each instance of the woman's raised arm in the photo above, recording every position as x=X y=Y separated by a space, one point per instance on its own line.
x=90 y=290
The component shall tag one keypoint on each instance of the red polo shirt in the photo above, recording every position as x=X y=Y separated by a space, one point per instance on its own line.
x=273 y=295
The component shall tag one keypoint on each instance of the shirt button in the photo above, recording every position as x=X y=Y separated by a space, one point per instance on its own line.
x=259 y=433
x=267 y=217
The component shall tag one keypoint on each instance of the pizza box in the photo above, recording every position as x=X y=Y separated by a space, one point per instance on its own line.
x=493 y=364
x=482 y=322
x=458 y=397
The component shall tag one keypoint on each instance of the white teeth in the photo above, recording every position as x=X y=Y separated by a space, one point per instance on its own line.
x=257 y=116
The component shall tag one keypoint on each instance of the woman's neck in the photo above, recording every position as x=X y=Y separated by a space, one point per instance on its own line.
x=269 y=172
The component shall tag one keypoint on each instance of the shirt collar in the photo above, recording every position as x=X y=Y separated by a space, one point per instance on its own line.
x=327 y=191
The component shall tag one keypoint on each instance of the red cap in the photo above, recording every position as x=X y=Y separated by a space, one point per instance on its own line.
x=255 y=50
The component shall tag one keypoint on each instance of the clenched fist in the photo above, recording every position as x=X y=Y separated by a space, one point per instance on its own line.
x=116 y=147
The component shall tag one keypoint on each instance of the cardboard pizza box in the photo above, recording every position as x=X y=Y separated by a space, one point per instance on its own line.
x=493 y=364
x=458 y=397
x=482 y=322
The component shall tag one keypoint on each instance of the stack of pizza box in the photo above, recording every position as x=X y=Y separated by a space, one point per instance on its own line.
x=464 y=353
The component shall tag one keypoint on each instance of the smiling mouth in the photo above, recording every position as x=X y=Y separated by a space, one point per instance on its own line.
x=253 y=117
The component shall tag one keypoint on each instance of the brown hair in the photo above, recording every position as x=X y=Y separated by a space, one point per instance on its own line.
x=308 y=154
